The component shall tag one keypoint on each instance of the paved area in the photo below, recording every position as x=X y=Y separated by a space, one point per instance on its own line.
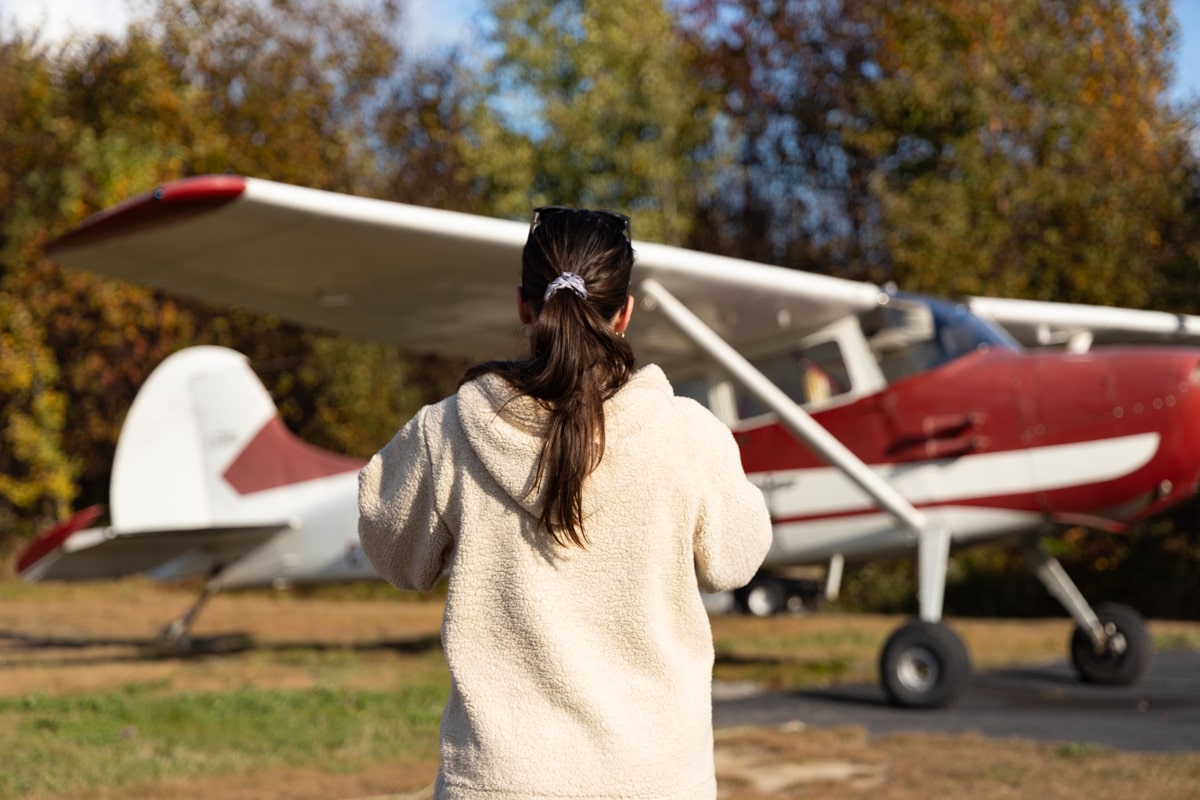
x=1047 y=703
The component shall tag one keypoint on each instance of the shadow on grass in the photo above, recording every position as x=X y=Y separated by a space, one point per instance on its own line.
x=782 y=671
x=152 y=649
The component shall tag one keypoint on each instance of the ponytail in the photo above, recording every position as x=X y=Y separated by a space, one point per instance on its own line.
x=575 y=273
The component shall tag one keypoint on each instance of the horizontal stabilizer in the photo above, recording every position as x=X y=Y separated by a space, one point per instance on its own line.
x=104 y=552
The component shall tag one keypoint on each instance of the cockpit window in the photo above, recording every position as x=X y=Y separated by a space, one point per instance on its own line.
x=914 y=334
x=807 y=375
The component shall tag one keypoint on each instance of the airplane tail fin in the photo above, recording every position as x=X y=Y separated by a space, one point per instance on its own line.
x=202 y=445
x=205 y=472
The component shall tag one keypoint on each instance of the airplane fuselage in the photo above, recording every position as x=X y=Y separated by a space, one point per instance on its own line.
x=994 y=443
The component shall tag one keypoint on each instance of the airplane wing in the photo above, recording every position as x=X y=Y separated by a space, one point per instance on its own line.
x=425 y=279
x=70 y=551
x=1037 y=323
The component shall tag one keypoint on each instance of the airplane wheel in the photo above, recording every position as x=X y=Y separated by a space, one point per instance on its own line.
x=763 y=597
x=924 y=665
x=1127 y=654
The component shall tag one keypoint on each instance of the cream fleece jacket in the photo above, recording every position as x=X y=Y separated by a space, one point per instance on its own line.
x=583 y=673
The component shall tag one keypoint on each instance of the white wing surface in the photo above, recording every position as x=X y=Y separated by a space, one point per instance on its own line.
x=425 y=279
x=1037 y=323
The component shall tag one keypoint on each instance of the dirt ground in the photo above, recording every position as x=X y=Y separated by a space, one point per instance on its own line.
x=89 y=638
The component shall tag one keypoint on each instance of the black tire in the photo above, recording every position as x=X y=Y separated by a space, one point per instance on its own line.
x=1128 y=654
x=762 y=597
x=924 y=665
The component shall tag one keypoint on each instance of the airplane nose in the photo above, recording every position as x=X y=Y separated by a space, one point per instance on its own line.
x=1136 y=413
x=1174 y=414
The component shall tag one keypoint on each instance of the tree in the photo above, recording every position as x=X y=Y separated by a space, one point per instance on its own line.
x=36 y=475
x=792 y=190
x=424 y=131
x=593 y=104
x=1028 y=148
x=1022 y=148
x=286 y=91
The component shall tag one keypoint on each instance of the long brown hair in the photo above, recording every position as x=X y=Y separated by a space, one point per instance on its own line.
x=576 y=359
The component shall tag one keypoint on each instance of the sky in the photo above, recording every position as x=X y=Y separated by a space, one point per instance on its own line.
x=434 y=22
x=430 y=22
x=1187 y=64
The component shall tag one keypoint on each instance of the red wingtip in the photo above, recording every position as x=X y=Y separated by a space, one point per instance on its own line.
x=174 y=200
x=51 y=539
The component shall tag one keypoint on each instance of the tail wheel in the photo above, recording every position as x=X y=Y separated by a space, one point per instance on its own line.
x=924 y=665
x=1126 y=654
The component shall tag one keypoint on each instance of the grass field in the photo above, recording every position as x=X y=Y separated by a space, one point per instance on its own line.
x=338 y=695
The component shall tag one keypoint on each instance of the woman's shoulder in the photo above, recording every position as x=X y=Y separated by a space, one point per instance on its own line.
x=650 y=391
x=434 y=413
x=431 y=420
x=698 y=421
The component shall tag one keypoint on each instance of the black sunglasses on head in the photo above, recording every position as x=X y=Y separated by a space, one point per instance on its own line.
x=609 y=217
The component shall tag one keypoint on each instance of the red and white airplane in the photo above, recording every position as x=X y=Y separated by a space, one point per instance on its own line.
x=877 y=423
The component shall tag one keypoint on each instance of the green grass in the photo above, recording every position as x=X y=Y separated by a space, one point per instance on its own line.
x=373 y=706
x=57 y=744
x=1080 y=750
x=1177 y=640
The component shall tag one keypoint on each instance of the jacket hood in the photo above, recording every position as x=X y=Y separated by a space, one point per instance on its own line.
x=505 y=429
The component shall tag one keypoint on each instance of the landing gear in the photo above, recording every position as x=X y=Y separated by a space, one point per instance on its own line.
x=176 y=636
x=762 y=597
x=1110 y=644
x=1122 y=655
x=924 y=665
x=767 y=595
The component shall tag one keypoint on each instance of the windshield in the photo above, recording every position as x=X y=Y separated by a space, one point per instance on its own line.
x=912 y=334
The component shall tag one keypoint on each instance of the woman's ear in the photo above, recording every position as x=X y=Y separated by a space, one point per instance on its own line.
x=621 y=321
x=524 y=312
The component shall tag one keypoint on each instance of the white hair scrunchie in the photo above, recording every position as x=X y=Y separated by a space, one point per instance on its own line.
x=567 y=280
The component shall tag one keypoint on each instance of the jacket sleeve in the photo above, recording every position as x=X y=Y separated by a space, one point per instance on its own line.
x=733 y=533
x=399 y=525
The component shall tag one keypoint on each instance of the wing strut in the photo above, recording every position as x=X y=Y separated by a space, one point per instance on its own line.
x=933 y=543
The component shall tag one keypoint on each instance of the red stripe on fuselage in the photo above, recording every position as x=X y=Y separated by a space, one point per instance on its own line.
x=170 y=202
x=1023 y=503
x=275 y=457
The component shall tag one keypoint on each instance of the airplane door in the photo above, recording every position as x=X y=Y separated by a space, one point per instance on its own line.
x=954 y=442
